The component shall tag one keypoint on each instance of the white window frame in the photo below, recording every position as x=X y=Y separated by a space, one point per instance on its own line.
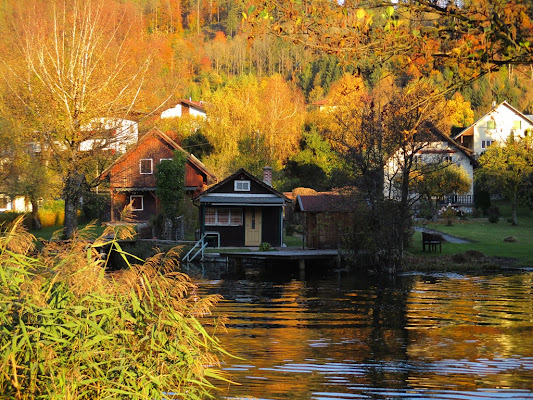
x=164 y=159
x=132 y=196
x=448 y=159
x=151 y=166
x=231 y=211
x=245 y=186
x=485 y=144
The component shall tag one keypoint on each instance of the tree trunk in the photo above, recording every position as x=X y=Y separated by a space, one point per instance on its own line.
x=72 y=194
x=35 y=220
x=513 y=210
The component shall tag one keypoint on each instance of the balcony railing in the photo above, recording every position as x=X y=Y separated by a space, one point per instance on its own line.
x=457 y=199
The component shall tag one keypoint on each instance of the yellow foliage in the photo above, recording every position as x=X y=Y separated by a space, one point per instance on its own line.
x=48 y=218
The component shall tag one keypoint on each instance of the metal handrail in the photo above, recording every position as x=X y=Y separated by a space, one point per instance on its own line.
x=202 y=245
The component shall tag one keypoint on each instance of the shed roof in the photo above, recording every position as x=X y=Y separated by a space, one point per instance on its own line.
x=242 y=199
x=324 y=202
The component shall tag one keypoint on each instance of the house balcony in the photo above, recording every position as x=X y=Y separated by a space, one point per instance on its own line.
x=457 y=200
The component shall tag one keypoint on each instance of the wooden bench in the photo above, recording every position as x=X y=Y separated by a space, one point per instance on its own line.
x=432 y=240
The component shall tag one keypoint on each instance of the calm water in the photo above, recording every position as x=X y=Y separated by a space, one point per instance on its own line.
x=440 y=336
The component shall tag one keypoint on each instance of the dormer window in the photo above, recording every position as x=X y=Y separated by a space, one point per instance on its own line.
x=242 y=186
x=146 y=166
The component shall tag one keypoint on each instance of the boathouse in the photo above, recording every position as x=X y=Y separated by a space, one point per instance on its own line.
x=242 y=210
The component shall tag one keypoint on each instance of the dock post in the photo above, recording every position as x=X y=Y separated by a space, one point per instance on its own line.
x=301 y=265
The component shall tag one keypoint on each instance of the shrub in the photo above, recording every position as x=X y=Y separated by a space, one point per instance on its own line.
x=265 y=246
x=493 y=214
x=71 y=331
x=8 y=217
x=48 y=218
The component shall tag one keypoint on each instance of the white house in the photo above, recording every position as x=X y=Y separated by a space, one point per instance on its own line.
x=495 y=126
x=434 y=147
x=185 y=107
x=122 y=134
x=18 y=204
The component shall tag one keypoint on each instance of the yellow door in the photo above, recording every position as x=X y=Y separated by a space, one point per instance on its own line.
x=253 y=222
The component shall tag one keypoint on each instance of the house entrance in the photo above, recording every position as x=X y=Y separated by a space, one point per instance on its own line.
x=253 y=226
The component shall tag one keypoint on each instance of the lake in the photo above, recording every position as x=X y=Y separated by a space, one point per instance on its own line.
x=337 y=336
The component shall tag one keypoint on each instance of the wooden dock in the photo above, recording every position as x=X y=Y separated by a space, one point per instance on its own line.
x=301 y=256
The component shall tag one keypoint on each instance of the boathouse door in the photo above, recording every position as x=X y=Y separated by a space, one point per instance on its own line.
x=253 y=226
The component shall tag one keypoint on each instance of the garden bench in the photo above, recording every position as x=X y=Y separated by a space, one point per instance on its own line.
x=432 y=240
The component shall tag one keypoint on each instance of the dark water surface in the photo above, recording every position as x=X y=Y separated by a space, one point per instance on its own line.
x=337 y=336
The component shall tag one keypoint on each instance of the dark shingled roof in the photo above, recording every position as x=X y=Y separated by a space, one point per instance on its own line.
x=327 y=202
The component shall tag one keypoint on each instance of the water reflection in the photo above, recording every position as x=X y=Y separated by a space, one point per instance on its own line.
x=444 y=336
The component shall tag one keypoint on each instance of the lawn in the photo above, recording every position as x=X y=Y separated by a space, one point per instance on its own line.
x=47 y=233
x=487 y=237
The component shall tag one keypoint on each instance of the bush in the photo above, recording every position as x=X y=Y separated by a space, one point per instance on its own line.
x=94 y=206
x=69 y=330
x=493 y=213
x=48 y=218
x=8 y=217
x=265 y=246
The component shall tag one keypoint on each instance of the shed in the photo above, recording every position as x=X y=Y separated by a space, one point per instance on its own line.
x=242 y=210
x=328 y=218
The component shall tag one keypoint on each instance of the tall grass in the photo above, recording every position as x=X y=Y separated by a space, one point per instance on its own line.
x=69 y=330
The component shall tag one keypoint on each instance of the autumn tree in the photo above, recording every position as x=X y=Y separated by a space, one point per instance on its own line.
x=378 y=133
x=70 y=65
x=473 y=38
x=507 y=168
x=434 y=181
x=253 y=123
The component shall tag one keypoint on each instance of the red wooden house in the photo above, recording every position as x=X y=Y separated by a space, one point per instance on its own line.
x=131 y=177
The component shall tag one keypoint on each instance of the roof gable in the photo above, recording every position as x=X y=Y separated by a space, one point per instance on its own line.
x=468 y=131
x=165 y=139
x=434 y=132
x=226 y=185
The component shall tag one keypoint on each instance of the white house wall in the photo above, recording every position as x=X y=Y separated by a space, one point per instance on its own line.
x=177 y=111
x=17 y=205
x=126 y=134
x=433 y=153
x=504 y=119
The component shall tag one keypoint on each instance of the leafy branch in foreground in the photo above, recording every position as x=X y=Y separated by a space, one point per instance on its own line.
x=70 y=330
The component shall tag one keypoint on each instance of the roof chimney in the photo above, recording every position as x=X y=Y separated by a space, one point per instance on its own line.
x=267 y=175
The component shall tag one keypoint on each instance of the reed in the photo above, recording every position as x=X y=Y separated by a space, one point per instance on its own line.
x=69 y=330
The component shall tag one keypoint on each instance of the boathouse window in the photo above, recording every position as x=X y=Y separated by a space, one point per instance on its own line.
x=491 y=124
x=210 y=216
x=236 y=217
x=242 y=186
x=146 y=166
x=223 y=216
x=137 y=202
x=517 y=124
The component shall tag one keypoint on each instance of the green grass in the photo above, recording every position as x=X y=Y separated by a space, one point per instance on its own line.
x=487 y=237
x=293 y=241
x=47 y=233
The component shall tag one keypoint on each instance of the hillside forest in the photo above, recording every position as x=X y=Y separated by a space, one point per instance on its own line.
x=262 y=86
